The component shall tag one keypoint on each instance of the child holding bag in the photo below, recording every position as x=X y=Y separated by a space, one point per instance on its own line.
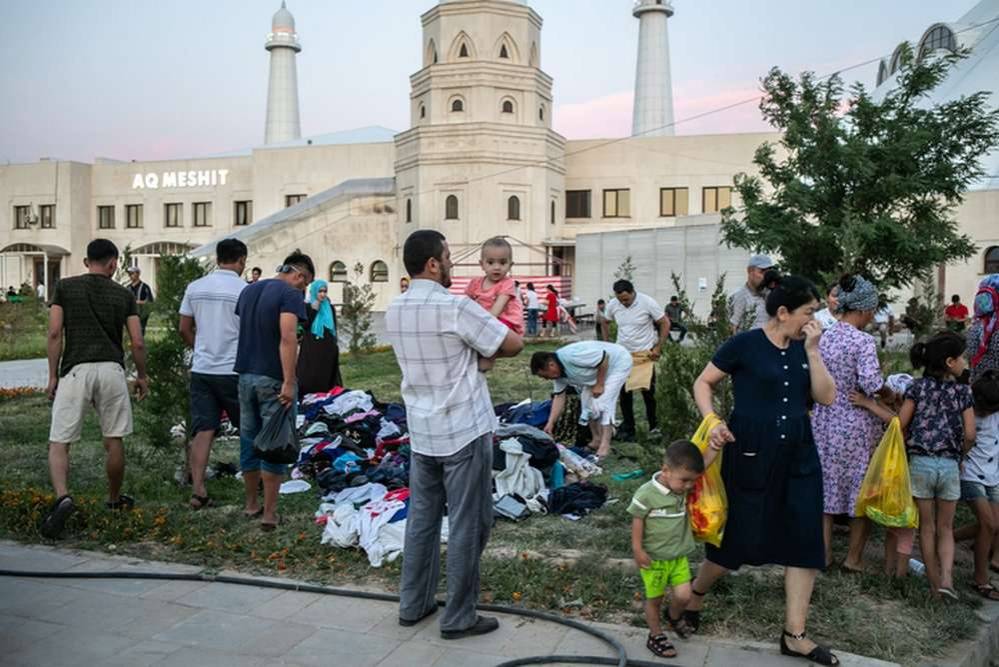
x=939 y=419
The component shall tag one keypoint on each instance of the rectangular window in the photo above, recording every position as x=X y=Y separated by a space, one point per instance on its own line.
x=172 y=215
x=21 y=214
x=243 y=213
x=133 y=216
x=202 y=214
x=46 y=213
x=105 y=217
x=577 y=204
x=673 y=202
x=714 y=199
x=291 y=200
x=617 y=203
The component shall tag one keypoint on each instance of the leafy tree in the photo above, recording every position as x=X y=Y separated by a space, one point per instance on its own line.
x=355 y=313
x=626 y=271
x=870 y=190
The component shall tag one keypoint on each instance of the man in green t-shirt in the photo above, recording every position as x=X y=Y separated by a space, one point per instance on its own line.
x=90 y=312
x=661 y=539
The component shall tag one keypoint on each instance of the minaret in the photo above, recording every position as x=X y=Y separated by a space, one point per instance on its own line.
x=282 y=89
x=653 y=111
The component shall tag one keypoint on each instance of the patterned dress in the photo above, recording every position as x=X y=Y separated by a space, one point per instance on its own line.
x=846 y=435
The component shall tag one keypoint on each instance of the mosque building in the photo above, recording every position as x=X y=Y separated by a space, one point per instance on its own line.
x=479 y=159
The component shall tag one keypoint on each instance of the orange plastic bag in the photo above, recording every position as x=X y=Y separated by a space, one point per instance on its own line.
x=707 y=503
x=886 y=493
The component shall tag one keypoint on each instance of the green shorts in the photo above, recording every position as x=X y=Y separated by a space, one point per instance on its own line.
x=663 y=574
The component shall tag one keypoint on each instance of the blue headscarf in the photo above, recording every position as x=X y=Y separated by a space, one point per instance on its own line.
x=324 y=316
x=861 y=295
x=986 y=310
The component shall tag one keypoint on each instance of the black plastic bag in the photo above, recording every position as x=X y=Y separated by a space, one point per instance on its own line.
x=277 y=442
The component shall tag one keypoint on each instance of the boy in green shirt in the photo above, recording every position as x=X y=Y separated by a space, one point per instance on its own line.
x=661 y=539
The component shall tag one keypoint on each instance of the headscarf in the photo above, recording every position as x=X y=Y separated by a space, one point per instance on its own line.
x=324 y=315
x=862 y=295
x=986 y=305
x=898 y=382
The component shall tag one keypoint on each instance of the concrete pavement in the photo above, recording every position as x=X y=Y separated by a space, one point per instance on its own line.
x=24 y=373
x=56 y=622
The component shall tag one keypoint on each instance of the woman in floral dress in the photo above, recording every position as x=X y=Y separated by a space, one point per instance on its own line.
x=846 y=435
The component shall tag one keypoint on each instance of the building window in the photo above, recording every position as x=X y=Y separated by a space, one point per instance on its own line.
x=882 y=72
x=423 y=111
x=338 y=272
x=513 y=208
x=21 y=216
x=291 y=200
x=409 y=210
x=541 y=113
x=896 y=60
x=577 y=204
x=242 y=214
x=503 y=52
x=133 y=216
x=451 y=208
x=202 y=214
x=463 y=51
x=617 y=203
x=715 y=199
x=940 y=37
x=673 y=202
x=457 y=105
x=47 y=213
x=553 y=213
x=992 y=260
x=105 y=217
x=379 y=271
x=507 y=106
x=173 y=215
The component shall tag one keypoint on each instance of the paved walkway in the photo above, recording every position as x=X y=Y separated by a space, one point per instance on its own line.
x=56 y=622
x=24 y=373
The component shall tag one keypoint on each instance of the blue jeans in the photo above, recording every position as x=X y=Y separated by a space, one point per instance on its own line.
x=532 y=322
x=258 y=401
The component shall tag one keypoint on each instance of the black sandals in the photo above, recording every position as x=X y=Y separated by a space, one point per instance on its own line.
x=820 y=654
x=661 y=646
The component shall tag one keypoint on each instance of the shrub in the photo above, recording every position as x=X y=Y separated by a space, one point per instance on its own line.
x=355 y=313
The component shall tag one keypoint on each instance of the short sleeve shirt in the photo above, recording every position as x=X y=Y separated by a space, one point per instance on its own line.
x=259 y=308
x=636 y=324
x=580 y=361
x=982 y=463
x=956 y=311
x=95 y=310
x=211 y=301
x=749 y=307
x=437 y=338
x=532 y=300
x=937 y=426
x=513 y=311
x=667 y=533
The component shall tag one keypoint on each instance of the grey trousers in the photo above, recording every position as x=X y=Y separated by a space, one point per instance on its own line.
x=464 y=482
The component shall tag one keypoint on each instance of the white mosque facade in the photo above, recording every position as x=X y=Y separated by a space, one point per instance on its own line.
x=479 y=159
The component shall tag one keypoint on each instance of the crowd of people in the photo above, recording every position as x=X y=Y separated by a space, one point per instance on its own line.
x=810 y=406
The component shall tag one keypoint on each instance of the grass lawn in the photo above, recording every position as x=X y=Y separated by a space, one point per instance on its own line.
x=580 y=568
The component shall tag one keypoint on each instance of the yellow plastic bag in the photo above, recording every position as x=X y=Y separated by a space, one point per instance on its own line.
x=886 y=493
x=707 y=504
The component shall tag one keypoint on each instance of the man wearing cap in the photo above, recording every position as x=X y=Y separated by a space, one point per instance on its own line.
x=748 y=305
x=143 y=295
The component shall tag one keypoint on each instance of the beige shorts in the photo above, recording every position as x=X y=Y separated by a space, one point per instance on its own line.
x=100 y=384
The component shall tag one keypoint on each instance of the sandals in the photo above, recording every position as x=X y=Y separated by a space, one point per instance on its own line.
x=269 y=527
x=680 y=626
x=123 y=503
x=56 y=518
x=987 y=591
x=255 y=515
x=692 y=618
x=200 y=502
x=949 y=593
x=819 y=654
x=661 y=646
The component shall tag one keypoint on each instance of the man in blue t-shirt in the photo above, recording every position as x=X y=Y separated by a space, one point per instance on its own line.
x=269 y=312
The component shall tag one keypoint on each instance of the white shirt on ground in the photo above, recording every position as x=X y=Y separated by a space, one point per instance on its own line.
x=211 y=301
x=636 y=324
x=437 y=338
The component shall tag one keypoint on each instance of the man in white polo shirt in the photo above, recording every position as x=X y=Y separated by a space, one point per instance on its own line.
x=209 y=324
x=642 y=328
x=438 y=339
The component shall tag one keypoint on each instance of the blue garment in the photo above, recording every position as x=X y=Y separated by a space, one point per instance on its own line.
x=323 y=321
x=259 y=308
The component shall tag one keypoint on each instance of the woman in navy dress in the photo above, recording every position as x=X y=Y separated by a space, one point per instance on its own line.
x=771 y=468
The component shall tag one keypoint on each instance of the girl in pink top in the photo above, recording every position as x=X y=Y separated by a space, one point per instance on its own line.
x=495 y=290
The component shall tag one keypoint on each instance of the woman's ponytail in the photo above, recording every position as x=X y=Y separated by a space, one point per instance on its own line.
x=917 y=355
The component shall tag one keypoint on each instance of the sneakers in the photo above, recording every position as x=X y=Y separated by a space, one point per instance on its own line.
x=483 y=625
x=54 y=522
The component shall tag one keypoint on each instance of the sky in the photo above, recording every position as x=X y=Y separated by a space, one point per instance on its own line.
x=145 y=80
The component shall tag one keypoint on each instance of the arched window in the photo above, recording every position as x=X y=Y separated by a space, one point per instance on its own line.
x=896 y=59
x=940 y=37
x=553 y=212
x=463 y=51
x=992 y=260
x=409 y=210
x=513 y=208
x=504 y=53
x=379 y=271
x=423 y=111
x=541 y=113
x=507 y=106
x=431 y=58
x=882 y=72
x=338 y=272
x=457 y=104
x=533 y=62
x=451 y=208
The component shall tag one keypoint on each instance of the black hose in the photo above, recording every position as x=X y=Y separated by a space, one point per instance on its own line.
x=622 y=659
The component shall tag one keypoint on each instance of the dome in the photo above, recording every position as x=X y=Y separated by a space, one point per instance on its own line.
x=283 y=20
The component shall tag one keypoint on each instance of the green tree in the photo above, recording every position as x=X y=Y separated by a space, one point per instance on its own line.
x=355 y=313
x=626 y=271
x=871 y=189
